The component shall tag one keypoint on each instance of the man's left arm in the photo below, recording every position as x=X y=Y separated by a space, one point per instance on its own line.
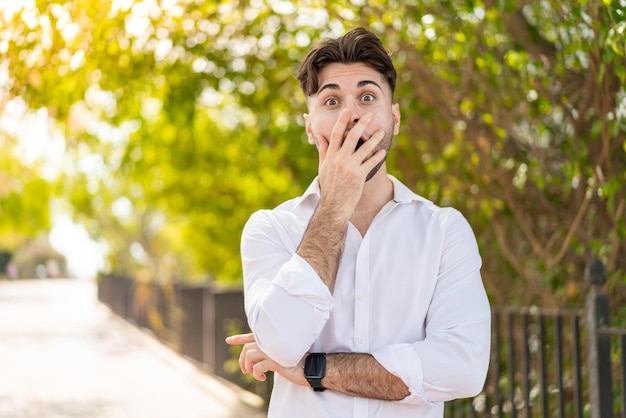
x=354 y=374
x=452 y=360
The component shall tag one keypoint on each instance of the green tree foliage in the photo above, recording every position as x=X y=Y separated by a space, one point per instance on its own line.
x=24 y=198
x=183 y=117
x=522 y=125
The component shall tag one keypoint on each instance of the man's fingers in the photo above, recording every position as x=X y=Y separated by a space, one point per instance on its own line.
x=249 y=344
x=356 y=132
x=250 y=356
x=374 y=160
x=336 y=136
x=322 y=147
x=368 y=147
x=242 y=360
x=240 y=339
x=259 y=369
x=253 y=356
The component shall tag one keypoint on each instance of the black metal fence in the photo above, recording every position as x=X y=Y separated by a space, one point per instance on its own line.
x=536 y=367
x=545 y=363
x=548 y=363
x=194 y=321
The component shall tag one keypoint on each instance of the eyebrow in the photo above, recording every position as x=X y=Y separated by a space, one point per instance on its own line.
x=360 y=84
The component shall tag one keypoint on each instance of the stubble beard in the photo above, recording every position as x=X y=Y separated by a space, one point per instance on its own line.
x=384 y=144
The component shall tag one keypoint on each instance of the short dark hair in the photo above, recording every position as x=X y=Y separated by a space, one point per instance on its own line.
x=357 y=46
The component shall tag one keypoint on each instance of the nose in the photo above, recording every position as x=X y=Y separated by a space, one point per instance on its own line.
x=353 y=121
x=355 y=114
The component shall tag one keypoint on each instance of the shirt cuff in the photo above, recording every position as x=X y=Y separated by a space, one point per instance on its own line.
x=299 y=279
x=402 y=361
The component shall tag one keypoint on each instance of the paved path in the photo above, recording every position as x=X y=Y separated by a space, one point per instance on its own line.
x=63 y=354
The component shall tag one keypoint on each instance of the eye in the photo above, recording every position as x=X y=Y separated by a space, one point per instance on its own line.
x=368 y=97
x=331 y=102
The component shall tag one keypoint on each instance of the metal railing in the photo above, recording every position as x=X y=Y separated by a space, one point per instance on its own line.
x=545 y=363
x=535 y=369
x=193 y=320
x=553 y=363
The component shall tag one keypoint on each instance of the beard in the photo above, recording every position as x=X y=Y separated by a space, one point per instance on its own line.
x=385 y=144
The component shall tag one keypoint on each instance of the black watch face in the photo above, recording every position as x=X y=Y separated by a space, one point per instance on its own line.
x=312 y=369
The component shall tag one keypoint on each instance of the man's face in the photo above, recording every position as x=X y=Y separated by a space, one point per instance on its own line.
x=359 y=88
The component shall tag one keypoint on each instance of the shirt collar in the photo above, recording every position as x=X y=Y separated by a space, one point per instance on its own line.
x=401 y=193
x=312 y=192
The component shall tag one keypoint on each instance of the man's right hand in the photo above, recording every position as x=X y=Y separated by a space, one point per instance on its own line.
x=342 y=174
x=255 y=362
x=343 y=169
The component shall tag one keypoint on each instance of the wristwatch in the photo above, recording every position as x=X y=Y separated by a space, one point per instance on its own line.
x=315 y=370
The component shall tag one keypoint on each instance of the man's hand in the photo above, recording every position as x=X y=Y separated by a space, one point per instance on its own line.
x=342 y=175
x=255 y=362
x=343 y=168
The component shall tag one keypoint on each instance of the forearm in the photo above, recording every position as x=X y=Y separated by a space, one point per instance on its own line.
x=323 y=242
x=361 y=375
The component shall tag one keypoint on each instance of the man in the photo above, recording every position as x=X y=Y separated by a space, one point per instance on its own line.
x=364 y=298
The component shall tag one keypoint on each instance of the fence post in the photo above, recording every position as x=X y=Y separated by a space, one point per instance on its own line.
x=597 y=307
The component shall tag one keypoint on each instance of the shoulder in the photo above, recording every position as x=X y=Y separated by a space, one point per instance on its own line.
x=293 y=211
x=450 y=217
x=427 y=209
x=270 y=218
x=444 y=219
x=450 y=222
x=402 y=194
x=286 y=222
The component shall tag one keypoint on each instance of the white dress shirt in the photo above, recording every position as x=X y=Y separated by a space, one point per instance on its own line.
x=409 y=292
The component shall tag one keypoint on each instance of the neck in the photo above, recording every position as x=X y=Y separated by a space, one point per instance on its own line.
x=377 y=192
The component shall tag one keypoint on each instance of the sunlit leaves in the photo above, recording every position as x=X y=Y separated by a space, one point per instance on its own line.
x=24 y=199
x=512 y=112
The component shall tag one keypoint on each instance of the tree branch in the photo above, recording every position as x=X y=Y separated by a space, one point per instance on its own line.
x=508 y=254
x=524 y=224
x=582 y=210
x=612 y=259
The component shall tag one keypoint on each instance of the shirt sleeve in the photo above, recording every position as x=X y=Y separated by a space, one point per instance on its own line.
x=286 y=302
x=452 y=361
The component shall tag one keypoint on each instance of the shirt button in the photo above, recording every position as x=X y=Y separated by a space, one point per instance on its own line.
x=361 y=340
x=361 y=296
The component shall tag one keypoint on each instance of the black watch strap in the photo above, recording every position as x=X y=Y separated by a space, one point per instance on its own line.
x=315 y=370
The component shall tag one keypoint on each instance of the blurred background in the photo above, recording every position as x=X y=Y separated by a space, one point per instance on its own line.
x=136 y=137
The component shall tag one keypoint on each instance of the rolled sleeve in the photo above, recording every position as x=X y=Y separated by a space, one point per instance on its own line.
x=286 y=302
x=300 y=280
x=402 y=361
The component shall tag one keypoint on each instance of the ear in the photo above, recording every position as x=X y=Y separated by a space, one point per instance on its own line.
x=395 y=114
x=308 y=129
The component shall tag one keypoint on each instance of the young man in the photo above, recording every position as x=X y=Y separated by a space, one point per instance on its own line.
x=364 y=298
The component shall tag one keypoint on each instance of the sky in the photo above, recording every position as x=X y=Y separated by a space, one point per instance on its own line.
x=84 y=256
